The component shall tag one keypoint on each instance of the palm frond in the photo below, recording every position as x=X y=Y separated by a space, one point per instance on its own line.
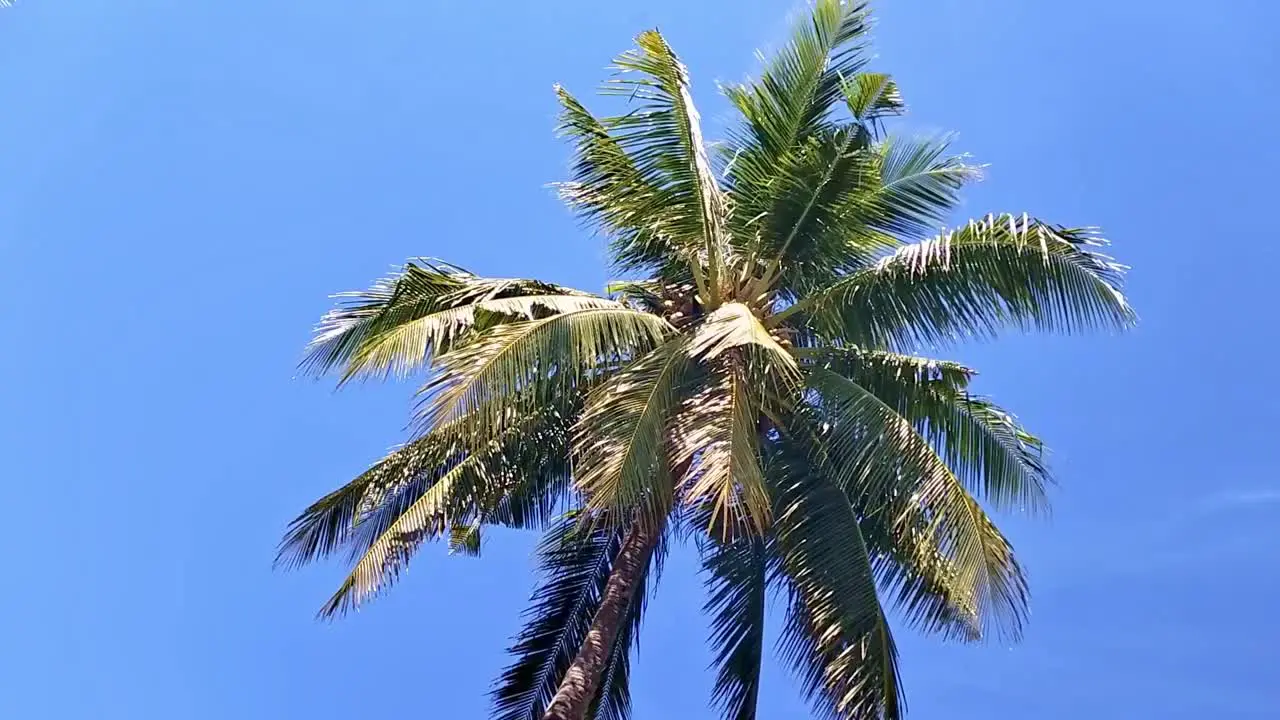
x=993 y=455
x=467 y=485
x=916 y=186
x=836 y=636
x=872 y=96
x=663 y=136
x=628 y=198
x=882 y=461
x=396 y=326
x=912 y=567
x=575 y=562
x=327 y=525
x=716 y=436
x=620 y=453
x=736 y=584
x=793 y=98
x=481 y=382
x=734 y=326
x=465 y=539
x=1002 y=271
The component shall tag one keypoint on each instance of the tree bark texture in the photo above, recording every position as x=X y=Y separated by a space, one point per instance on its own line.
x=582 y=680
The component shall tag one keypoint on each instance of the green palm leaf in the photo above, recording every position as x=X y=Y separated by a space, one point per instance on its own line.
x=872 y=96
x=664 y=134
x=793 y=98
x=736 y=588
x=883 y=462
x=532 y=361
x=395 y=327
x=995 y=456
x=575 y=561
x=630 y=201
x=836 y=635
x=987 y=275
x=917 y=186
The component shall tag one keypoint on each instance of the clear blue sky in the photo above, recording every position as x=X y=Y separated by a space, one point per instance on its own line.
x=182 y=184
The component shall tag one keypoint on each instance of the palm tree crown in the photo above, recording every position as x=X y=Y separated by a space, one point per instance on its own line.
x=750 y=387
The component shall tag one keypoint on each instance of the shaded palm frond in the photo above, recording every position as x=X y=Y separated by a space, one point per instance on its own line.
x=326 y=526
x=881 y=461
x=923 y=580
x=736 y=587
x=472 y=485
x=575 y=561
x=871 y=97
x=836 y=636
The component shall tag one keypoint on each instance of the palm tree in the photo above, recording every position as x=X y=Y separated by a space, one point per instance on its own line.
x=749 y=388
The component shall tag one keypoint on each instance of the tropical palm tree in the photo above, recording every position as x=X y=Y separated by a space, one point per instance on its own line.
x=749 y=388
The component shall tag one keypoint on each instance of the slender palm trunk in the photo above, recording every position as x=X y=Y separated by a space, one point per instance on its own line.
x=581 y=681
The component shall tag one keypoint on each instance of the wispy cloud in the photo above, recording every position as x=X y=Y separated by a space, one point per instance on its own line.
x=1240 y=499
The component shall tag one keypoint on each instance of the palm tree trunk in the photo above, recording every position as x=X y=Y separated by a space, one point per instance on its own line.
x=582 y=680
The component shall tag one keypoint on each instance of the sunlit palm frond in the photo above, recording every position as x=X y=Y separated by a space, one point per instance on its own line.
x=644 y=295
x=882 y=461
x=619 y=447
x=396 y=326
x=736 y=588
x=1002 y=271
x=663 y=134
x=794 y=96
x=715 y=435
x=628 y=200
x=465 y=485
x=734 y=326
x=988 y=449
x=483 y=381
x=836 y=636
x=845 y=200
x=326 y=526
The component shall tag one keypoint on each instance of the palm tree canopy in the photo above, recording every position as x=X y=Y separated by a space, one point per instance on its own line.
x=751 y=383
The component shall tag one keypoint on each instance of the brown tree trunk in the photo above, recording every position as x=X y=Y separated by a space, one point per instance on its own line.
x=581 y=681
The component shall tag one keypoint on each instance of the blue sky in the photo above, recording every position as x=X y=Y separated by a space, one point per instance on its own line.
x=182 y=185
